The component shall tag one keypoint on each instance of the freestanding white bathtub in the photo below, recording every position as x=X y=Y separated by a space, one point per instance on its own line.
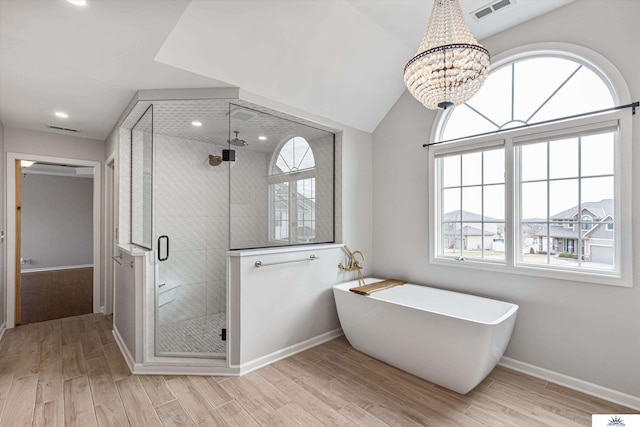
x=451 y=339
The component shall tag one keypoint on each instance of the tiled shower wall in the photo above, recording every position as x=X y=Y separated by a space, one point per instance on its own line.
x=249 y=199
x=323 y=155
x=191 y=200
x=124 y=194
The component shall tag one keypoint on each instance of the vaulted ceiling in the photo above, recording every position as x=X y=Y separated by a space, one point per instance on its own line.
x=340 y=59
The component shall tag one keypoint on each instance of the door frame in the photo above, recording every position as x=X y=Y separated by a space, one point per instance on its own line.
x=110 y=232
x=11 y=237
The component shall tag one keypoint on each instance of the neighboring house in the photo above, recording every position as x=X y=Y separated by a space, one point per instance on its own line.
x=470 y=234
x=593 y=223
x=472 y=238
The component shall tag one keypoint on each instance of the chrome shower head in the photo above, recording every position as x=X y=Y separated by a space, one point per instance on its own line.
x=237 y=142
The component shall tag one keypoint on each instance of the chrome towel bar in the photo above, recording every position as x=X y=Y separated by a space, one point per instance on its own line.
x=261 y=264
x=118 y=257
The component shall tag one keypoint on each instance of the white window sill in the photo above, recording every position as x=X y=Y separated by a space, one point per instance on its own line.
x=604 y=278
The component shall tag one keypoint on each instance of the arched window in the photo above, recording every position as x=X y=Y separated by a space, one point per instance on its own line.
x=587 y=222
x=507 y=168
x=292 y=198
x=294 y=156
x=531 y=90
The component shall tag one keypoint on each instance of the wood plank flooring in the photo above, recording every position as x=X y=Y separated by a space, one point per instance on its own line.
x=70 y=372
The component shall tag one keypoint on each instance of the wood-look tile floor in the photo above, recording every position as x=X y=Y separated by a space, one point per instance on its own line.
x=70 y=372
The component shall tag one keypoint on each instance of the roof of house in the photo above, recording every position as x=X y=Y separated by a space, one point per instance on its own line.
x=599 y=209
x=473 y=231
x=555 y=231
x=466 y=216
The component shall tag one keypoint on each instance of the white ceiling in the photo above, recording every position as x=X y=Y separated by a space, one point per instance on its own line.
x=219 y=118
x=341 y=59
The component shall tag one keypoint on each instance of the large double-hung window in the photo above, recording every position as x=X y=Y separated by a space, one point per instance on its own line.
x=515 y=189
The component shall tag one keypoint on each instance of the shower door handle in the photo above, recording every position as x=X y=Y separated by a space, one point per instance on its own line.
x=160 y=257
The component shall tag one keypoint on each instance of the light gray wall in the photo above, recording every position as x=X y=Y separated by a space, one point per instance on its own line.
x=111 y=143
x=57 y=221
x=2 y=244
x=27 y=141
x=586 y=331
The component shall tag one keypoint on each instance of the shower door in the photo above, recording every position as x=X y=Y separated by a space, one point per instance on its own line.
x=190 y=229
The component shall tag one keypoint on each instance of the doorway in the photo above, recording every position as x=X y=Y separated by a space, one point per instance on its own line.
x=56 y=240
x=13 y=203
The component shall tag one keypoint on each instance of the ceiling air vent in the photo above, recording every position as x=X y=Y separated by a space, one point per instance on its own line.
x=491 y=8
x=243 y=114
x=61 y=128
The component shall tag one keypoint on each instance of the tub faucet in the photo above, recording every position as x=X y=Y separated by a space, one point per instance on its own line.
x=354 y=264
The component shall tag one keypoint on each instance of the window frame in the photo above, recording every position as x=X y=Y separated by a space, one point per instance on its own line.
x=488 y=146
x=623 y=258
x=292 y=178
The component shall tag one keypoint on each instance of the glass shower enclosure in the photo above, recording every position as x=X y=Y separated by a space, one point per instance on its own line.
x=209 y=176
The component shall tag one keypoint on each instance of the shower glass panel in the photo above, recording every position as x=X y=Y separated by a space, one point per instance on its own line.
x=282 y=181
x=191 y=209
x=223 y=176
x=141 y=179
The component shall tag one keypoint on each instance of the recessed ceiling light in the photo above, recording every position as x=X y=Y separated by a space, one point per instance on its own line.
x=78 y=2
x=61 y=115
x=262 y=138
x=197 y=124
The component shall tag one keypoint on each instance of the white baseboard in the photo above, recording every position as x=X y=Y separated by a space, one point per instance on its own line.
x=3 y=328
x=124 y=350
x=288 y=351
x=63 y=267
x=196 y=368
x=573 y=383
x=141 y=369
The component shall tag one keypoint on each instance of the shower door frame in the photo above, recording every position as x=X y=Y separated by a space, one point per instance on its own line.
x=186 y=357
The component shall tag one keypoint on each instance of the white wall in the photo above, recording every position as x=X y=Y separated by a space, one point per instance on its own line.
x=586 y=331
x=282 y=308
x=57 y=221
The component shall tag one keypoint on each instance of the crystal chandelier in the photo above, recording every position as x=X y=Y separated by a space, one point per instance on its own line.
x=450 y=66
